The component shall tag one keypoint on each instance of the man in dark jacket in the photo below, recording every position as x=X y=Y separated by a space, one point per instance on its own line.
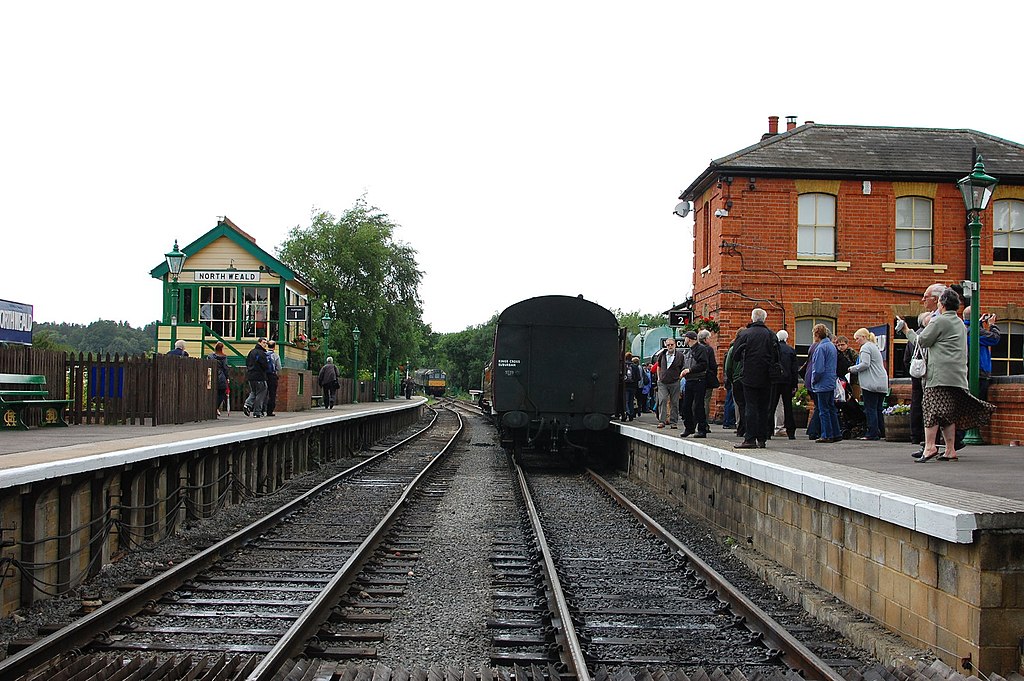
x=695 y=419
x=785 y=385
x=630 y=380
x=256 y=367
x=711 y=377
x=758 y=348
x=670 y=369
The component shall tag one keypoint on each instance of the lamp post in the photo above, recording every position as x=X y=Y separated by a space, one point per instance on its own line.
x=355 y=386
x=387 y=372
x=376 y=367
x=175 y=261
x=976 y=190
x=643 y=336
x=325 y=321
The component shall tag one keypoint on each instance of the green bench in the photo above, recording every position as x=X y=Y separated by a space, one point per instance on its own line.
x=21 y=392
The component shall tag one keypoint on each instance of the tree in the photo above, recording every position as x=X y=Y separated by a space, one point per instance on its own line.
x=463 y=354
x=364 y=278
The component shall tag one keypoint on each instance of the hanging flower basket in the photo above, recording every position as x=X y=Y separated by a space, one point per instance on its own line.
x=701 y=322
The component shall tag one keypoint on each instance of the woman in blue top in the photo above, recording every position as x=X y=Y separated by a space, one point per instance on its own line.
x=823 y=385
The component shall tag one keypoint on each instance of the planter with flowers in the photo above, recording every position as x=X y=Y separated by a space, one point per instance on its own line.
x=303 y=342
x=701 y=322
x=897 y=423
x=801 y=411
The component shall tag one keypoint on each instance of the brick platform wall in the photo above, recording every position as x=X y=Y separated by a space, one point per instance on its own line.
x=959 y=600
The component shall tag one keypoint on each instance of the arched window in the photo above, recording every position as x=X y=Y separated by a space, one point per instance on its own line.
x=804 y=337
x=1008 y=355
x=1008 y=231
x=913 y=229
x=816 y=227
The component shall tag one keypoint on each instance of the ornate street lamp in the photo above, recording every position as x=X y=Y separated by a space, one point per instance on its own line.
x=643 y=335
x=355 y=387
x=325 y=321
x=175 y=262
x=977 y=190
x=388 y=387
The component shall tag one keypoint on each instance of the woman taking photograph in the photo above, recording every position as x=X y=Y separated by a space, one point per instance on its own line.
x=874 y=382
x=947 y=403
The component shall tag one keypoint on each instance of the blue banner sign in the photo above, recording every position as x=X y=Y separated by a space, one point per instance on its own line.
x=882 y=333
x=15 y=322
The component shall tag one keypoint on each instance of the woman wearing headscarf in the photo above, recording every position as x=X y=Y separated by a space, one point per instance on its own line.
x=947 y=404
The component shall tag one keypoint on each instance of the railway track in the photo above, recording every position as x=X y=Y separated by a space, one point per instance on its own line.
x=621 y=591
x=248 y=606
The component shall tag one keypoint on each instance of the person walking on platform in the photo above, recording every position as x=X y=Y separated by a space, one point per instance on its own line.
x=256 y=367
x=670 y=368
x=273 y=374
x=221 y=359
x=695 y=419
x=757 y=347
x=947 y=403
x=630 y=381
x=328 y=380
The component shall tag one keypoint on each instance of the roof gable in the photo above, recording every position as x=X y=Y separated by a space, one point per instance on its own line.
x=226 y=228
x=866 y=152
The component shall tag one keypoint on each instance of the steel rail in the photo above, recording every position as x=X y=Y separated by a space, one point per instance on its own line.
x=794 y=653
x=80 y=633
x=294 y=641
x=566 y=634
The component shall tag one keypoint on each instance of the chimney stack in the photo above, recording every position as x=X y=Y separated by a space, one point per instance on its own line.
x=790 y=123
x=773 y=125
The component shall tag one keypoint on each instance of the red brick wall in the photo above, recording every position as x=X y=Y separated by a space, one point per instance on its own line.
x=761 y=225
x=288 y=397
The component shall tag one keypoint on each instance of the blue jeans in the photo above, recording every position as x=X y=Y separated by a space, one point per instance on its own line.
x=629 y=398
x=873 y=411
x=729 y=410
x=826 y=407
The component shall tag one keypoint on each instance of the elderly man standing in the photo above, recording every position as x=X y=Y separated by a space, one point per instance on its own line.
x=694 y=417
x=758 y=348
x=670 y=368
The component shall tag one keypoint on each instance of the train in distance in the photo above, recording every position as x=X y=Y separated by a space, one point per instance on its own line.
x=430 y=381
x=554 y=381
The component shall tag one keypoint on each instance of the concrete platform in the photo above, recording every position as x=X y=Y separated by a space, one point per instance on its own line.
x=31 y=455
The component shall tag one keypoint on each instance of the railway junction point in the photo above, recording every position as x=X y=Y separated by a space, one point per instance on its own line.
x=933 y=551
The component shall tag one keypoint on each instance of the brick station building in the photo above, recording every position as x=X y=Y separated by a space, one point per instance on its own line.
x=847 y=225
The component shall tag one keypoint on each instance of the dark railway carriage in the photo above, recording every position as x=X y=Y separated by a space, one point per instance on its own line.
x=555 y=372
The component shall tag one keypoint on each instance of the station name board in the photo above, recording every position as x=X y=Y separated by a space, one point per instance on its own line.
x=230 y=276
x=15 y=322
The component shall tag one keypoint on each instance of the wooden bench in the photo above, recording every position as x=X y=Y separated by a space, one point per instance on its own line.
x=29 y=392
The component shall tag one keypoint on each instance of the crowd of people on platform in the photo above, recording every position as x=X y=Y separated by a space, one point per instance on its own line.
x=761 y=377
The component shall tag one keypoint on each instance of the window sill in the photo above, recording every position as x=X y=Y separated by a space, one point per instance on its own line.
x=705 y=271
x=839 y=265
x=990 y=269
x=893 y=266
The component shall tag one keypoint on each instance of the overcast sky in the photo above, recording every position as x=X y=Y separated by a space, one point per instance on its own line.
x=524 y=148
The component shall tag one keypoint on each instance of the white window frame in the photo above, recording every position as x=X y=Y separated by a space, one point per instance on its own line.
x=920 y=229
x=819 y=225
x=223 y=309
x=1008 y=230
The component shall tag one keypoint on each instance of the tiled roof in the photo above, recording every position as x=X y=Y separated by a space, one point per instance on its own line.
x=864 y=152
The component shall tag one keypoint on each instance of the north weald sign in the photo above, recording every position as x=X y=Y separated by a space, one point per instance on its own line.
x=15 y=322
x=680 y=317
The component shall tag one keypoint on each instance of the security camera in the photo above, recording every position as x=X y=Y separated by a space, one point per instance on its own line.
x=721 y=213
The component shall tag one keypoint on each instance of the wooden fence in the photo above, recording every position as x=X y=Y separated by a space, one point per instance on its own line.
x=121 y=389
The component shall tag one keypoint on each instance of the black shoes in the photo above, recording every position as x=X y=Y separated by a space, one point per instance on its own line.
x=762 y=444
x=700 y=434
x=686 y=433
x=245 y=409
x=746 y=445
